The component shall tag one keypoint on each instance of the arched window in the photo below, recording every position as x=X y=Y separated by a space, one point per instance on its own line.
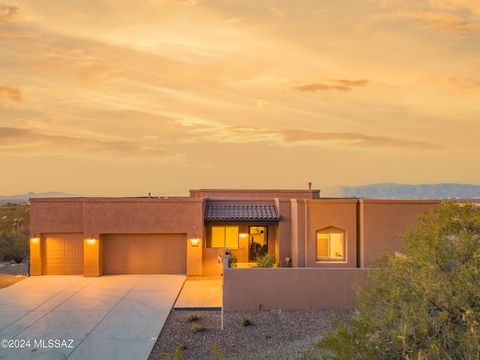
x=330 y=244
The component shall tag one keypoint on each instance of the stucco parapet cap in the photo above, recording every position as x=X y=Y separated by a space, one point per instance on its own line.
x=119 y=199
x=333 y=200
x=401 y=201
x=306 y=191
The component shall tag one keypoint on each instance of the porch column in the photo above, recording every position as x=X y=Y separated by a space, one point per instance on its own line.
x=92 y=264
x=284 y=231
x=36 y=255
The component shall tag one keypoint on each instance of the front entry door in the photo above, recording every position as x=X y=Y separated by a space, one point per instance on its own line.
x=258 y=246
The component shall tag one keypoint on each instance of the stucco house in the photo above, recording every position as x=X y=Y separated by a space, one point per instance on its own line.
x=185 y=235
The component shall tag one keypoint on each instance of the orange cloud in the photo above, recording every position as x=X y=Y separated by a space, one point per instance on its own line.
x=305 y=137
x=9 y=14
x=355 y=139
x=320 y=86
x=335 y=84
x=10 y=95
x=437 y=20
x=351 y=83
x=21 y=141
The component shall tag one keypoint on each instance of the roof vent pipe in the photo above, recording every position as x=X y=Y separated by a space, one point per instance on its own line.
x=309 y=185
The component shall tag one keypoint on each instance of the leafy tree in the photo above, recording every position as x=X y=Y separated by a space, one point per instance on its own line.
x=424 y=304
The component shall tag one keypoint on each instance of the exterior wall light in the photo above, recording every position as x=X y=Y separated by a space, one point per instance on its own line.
x=195 y=242
x=243 y=235
x=35 y=240
x=91 y=241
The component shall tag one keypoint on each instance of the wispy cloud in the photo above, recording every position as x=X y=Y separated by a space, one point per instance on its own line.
x=355 y=139
x=352 y=83
x=26 y=142
x=10 y=95
x=334 y=84
x=9 y=14
x=296 y=137
x=277 y=11
x=435 y=20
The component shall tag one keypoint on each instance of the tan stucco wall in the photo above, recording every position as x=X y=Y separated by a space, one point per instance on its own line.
x=210 y=264
x=96 y=216
x=277 y=288
x=341 y=214
x=297 y=215
x=254 y=194
x=36 y=258
x=92 y=253
x=384 y=222
x=380 y=225
x=284 y=231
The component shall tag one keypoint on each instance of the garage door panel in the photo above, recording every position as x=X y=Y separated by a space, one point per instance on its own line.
x=144 y=253
x=63 y=254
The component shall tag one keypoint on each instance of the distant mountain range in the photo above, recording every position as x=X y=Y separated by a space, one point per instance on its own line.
x=22 y=198
x=402 y=191
x=385 y=191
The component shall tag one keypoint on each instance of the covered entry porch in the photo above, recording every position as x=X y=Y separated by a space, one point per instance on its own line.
x=248 y=230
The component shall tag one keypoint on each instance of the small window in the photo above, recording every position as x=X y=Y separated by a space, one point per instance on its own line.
x=330 y=244
x=224 y=237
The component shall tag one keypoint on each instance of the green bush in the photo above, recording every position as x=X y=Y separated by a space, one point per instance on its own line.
x=218 y=354
x=197 y=328
x=180 y=354
x=14 y=232
x=246 y=322
x=13 y=247
x=425 y=304
x=193 y=318
x=266 y=261
x=233 y=261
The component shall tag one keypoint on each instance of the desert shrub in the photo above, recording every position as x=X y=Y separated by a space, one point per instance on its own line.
x=193 y=318
x=180 y=354
x=13 y=247
x=266 y=261
x=425 y=304
x=14 y=232
x=197 y=328
x=246 y=322
x=233 y=261
x=218 y=354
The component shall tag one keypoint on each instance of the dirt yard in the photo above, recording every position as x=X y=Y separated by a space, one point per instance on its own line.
x=246 y=335
x=10 y=273
x=7 y=280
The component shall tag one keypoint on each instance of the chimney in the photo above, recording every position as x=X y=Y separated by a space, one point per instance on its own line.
x=309 y=185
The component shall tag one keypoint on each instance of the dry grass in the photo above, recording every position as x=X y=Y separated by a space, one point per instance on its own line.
x=7 y=280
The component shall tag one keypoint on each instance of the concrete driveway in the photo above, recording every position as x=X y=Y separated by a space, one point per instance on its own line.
x=73 y=317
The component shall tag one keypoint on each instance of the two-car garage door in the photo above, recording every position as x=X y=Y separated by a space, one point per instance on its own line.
x=144 y=254
x=121 y=253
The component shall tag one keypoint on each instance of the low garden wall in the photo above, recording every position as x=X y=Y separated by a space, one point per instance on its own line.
x=291 y=288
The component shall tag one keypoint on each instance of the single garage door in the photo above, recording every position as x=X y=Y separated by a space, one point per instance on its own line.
x=144 y=253
x=63 y=254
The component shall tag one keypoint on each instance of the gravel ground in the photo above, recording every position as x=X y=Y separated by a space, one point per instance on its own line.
x=272 y=335
x=13 y=268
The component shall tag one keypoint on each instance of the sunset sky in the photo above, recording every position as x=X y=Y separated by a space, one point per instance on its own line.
x=117 y=97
